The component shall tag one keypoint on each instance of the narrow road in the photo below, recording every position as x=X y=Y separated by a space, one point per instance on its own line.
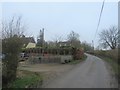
x=92 y=73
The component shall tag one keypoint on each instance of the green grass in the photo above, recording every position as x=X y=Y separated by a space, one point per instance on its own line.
x=78 y=61
x=26 y=81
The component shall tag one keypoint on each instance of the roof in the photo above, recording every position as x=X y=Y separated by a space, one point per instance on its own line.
x=31 y=45
x=27 y=40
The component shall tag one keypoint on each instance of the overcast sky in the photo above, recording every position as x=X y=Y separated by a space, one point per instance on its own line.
x=60 y=18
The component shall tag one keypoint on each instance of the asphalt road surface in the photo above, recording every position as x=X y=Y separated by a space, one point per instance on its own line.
x=92 y=73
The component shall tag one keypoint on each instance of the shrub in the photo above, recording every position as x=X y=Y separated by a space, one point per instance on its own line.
x=10 y=47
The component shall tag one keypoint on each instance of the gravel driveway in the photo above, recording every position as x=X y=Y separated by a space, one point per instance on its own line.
x=48 y=71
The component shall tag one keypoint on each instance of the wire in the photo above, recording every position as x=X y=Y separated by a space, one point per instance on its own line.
x=98 y=22
x=99 y=19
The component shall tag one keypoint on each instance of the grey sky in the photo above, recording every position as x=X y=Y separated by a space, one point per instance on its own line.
x=59 y=19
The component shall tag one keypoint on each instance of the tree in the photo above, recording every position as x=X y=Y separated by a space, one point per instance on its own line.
x=13 y=27
x=57 y=39
x=109 y=37
x=86 y=46
x=73 y=38
x=11 y=46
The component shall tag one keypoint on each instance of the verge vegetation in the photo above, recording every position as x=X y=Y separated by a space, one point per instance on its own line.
x=27 y=79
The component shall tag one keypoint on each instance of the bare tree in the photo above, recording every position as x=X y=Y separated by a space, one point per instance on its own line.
x=73 y=38
x=86 y=46
x=14 y=27
x=109 y=37
x=57 y=39
x=11 y=46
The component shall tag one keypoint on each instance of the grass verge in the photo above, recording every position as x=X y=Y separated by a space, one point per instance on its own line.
x=27 y=80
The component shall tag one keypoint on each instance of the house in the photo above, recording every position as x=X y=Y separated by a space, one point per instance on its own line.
x=69 y=44
x=28 y=42
x=64 y=44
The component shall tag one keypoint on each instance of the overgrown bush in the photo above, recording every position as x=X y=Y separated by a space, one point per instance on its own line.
x=77 y=53
x=10 y=48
